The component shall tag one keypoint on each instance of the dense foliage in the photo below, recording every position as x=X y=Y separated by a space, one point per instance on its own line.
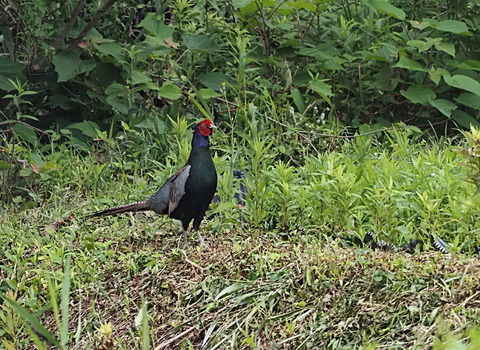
x=347 y=118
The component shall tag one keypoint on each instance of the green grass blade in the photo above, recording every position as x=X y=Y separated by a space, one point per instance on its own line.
x=200 y=107
x=32 y=322
x=53 y=299
x=145 y=327
x=64 y=302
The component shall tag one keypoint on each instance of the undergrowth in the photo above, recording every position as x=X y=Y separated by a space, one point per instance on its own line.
x=277 y=273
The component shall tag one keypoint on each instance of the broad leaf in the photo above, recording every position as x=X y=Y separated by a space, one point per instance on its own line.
x=207 y=94
x=170 y=91
x=470 y=100
x=200 y=42
x=121 y=105
x=321 y=88
x=241 y=3
x=216 y=81
x=437 y=74
x=87 y=128
x=68 y=65
x=10 y=70
x=463 y=82
x=155 y=26
x=117 y=89
x=420 y=25
x=464 y=119
x=139 y=77
x=419 y=94
x=387 y=8
x=407 y=63
x=446 y=47
x=421 y=45
x=113 y=50
x=27 y=133
x=302 y=4
x=444 y=106
x=298 y=100
x=452 y=26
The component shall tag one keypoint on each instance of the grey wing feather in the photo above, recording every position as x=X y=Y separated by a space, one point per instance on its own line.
x=166 y=199
x=177 y=187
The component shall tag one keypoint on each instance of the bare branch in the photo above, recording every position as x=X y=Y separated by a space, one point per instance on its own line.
x=91 y=24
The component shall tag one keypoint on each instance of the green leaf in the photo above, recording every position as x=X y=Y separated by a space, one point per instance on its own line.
x=207 y=93
x=230 y=289
x=139 y=77
x=302 y=4
x=32 y=321
x=452 y=26
x=26 y=133
x=298 y=100
x=241 y=3
x=87 y=127
x=117 y=89
x=10 y=70
x=446 y=47
x=419 y=94
x=444 y=106
x=119 y=104
x=420 y=25
x=321 y=88
x=154 y=24
x=436 y=74
x=200 y=42
x=463 y=82
x=407 y=63
x=160 y=34
x=65 y=302
x=216 y=80
x=464 y=119
x=113 y=50
x=68 y=65
x=387 y=8
x=470 y=100
x=420 y=44
x=170 y=91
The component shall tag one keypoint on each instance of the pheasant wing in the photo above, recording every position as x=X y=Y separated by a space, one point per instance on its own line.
x=177 y=187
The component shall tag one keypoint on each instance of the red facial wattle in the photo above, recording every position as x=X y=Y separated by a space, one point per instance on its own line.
x=205 y=127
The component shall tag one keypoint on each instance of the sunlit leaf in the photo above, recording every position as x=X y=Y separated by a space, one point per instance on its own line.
x=216 y=81
x=407 y=63
x=446 y=47
x=452 y=26
x=470 y=100
x=387 y=8
x=463 y=82
x=68 y=65
x=419 y=94
x=170 y=91
x=200 y=42
x=444 y=106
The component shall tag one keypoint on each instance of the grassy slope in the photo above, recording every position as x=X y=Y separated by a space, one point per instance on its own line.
x=247 y=289
x=254 y=288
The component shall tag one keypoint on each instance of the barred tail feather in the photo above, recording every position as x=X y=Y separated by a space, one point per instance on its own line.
x=138 y=206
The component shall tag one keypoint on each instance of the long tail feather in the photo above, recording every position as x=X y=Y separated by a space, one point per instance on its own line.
x=138 y=206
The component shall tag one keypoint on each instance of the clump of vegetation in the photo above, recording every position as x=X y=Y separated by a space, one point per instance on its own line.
x=343 y=117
